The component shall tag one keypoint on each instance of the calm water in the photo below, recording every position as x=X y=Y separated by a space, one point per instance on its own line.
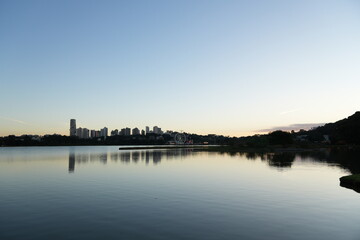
x=103 y=193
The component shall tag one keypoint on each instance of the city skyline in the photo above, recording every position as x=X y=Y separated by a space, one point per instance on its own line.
x=233 y=68
x=83 y=132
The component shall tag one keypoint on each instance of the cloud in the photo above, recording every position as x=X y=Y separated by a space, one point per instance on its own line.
x=295 y=127
x=14 y=120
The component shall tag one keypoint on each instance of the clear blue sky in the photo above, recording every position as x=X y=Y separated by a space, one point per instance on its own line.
x=224 y=67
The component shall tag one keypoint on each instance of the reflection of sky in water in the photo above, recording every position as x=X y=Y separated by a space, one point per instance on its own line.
x=173 y=194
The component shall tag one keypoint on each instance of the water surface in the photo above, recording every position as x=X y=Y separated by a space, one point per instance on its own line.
x=104 y=193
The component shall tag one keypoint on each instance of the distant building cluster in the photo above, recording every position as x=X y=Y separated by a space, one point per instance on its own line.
x=86 y=133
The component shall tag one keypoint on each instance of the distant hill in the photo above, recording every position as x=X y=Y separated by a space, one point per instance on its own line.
x=343 y=132
x=346 y=131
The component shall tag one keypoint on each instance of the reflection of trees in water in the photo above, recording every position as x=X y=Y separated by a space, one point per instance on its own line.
x=347 y=159
x=278 y=160
x=251 y=155
x=127 y=157
x=281 y=160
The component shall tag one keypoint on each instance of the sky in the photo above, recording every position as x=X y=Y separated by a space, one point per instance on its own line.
x=233 y=68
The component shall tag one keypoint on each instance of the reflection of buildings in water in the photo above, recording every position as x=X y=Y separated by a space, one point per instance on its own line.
x=127 y=156
x=85 y=158
x=142 y=155
x=94 y=157
x=114 y=156
x=103 y=158
x=82 y=157
x=147 y=157
x=135 y=156
x=345 y=159
x=71 y=162
x=152 y=155
x=157 y=155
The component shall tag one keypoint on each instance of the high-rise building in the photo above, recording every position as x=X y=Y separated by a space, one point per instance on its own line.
x=97 y=133
x=92 y=133
x=72 y=127
x=122 y=132
x=79 y=132
x=127 y=131
x=155 y=129
x=104 y=132
x=135 y=131
x=147 y=129
x=85 y=133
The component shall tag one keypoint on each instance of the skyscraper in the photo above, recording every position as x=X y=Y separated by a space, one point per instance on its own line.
x=147 y=129
x=104 y=132
x=92 y=133
x=79 y=132
x=85 y=133
x=72 y=127
x=127 y=131
x=122 y=132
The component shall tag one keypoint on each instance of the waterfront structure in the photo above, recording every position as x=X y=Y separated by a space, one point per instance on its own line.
x=72 y=127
